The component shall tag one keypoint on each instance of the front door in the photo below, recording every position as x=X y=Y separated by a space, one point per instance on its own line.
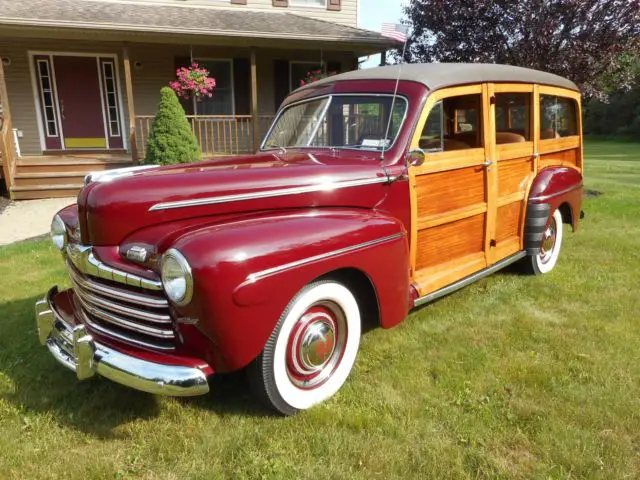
x=79 y=102
x=453 y=192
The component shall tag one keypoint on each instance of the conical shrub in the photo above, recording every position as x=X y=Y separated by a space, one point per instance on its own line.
x=171 y=139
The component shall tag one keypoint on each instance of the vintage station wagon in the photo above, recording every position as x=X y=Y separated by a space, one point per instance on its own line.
x=374 y=192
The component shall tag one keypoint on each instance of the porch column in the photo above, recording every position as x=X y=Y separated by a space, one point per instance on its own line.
x=130 y=105
x=7 y=148
x=254 y=102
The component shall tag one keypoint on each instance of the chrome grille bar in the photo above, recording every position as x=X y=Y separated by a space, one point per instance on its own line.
x=100 y=303
x=116 y=293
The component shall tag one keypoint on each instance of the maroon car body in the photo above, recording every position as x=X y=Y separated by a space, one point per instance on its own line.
x=255 y=231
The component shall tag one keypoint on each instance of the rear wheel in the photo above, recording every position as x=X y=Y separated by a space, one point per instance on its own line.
x=550 y=247
x=310 y=353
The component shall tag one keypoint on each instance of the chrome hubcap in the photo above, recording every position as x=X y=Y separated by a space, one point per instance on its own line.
x=316 y=345
x=548 y=241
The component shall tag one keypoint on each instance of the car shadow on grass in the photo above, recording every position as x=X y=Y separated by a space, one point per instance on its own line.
x=35 y=382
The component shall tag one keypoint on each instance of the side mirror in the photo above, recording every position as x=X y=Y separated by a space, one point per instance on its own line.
x=416 y=157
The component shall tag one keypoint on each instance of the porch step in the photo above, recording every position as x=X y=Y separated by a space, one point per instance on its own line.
x=46 y=177
x=45 y=191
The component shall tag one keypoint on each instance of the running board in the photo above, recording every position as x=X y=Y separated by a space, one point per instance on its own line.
x=468 y=280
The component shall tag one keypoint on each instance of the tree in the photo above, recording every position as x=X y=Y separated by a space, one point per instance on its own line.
x=171 y=139
x=583 y=40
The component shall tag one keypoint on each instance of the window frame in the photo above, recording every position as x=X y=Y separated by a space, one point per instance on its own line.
x=576 y=115
x=231 y=80
x=304 y=4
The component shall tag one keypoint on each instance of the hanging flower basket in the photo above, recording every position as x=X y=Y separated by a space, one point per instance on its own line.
x=314 y=76
x=193 y=82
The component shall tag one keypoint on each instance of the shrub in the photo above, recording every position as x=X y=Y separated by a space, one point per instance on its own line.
x=171 y=139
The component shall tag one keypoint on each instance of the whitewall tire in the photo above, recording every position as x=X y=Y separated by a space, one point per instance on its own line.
x=544 y=261
x=311 y=351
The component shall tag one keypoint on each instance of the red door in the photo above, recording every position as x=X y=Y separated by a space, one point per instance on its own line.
x=80 y=101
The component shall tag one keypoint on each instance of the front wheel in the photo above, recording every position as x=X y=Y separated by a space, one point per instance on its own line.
x=547 y=257
x=310 y=353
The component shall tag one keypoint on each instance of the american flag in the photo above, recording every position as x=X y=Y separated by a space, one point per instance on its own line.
x=396 y=31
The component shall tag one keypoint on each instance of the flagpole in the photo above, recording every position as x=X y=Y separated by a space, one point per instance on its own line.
x=393 y=100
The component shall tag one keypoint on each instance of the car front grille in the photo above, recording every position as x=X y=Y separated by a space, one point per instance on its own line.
x=133 y=315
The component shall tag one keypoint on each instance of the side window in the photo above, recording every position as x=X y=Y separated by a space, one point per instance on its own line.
x=558 y=117
x=454 y=123
x=513 y=117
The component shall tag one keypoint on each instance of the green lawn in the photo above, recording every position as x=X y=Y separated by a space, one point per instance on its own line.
x=513 y=377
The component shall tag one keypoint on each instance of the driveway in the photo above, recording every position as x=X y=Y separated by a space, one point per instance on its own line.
x=29 y=218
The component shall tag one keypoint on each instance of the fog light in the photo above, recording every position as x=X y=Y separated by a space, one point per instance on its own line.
x=177 y=279
x=59 y=233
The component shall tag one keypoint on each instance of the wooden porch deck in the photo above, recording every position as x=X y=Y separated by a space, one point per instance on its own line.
x=49 y=176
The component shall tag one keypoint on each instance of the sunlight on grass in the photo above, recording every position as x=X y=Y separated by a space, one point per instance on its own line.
x=512 y=377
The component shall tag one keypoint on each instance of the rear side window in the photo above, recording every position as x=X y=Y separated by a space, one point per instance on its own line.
x=558 y=117
x=513 y=117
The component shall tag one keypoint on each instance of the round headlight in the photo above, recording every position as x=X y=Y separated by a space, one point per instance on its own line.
x=58 y=233
x=176 y=277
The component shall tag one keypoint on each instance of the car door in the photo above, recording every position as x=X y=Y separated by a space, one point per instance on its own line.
x=453 y=193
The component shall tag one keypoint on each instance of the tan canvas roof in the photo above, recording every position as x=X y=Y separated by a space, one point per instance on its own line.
x=440 y=75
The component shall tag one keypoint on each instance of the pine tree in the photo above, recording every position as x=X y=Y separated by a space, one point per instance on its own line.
x=171 y=139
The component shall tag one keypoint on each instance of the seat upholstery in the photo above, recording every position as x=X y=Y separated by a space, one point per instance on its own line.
x=508 y=137
x=548 y=133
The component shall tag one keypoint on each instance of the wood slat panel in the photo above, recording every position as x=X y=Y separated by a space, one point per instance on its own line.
x=508 y=151
x=508 y=223
x=564 y=158
x=452 y=190
x=513 y=175
x=556 y=144
x=434 y=278
x=450 y=241
x=508 y=247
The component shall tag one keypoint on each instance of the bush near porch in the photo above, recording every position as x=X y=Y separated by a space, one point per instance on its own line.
x=512 y=377
x=171 y=140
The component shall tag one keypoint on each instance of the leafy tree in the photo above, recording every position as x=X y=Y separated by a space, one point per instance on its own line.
x=579 y=39
x=171 y=139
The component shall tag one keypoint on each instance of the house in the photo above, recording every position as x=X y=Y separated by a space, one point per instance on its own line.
x=80 y=79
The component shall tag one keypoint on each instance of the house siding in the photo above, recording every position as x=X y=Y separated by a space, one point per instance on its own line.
x=156 y=68
x=347 y=15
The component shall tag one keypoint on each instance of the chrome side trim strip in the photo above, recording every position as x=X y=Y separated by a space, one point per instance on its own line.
x=97 y=302
x=124 y=295
x=319 y=187
x=468 y=280
x=86 y=262
x=544 y=198
x=270 y=271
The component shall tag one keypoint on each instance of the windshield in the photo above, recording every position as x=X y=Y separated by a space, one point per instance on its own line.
x=339 y=121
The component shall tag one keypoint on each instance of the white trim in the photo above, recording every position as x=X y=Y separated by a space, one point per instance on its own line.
x=46 y=62
x=301 y=62
x=102 y=101
x=106 y=97
x=125 y=138
x=304 y=4
x=36 y=92
x=231 y=79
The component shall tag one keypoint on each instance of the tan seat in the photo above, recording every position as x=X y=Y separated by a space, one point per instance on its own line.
x=548 y=133
x=508 y=137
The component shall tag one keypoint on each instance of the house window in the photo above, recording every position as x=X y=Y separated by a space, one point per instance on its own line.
x=48 y=105
x=298 y=72
x=308 y=3
x=111 y=96
x=222 y=101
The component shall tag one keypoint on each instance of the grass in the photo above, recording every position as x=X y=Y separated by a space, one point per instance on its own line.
x=513 y=377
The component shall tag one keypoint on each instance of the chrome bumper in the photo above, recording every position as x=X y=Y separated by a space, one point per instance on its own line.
x=76 y=349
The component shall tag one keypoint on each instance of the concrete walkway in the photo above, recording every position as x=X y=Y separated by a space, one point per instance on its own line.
x=29 y=218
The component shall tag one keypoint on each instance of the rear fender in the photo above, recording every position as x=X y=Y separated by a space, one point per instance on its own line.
x=246 y=272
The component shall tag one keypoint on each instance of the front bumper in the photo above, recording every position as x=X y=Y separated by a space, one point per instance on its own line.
x=76 y=349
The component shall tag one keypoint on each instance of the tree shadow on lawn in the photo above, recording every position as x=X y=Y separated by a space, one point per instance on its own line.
x=38 y=383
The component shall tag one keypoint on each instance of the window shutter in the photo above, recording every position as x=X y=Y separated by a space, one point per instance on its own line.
x=281 y=80
x=335 y=5
x=280 y=3
x=242 y=86
x=187 y=104
x=238 y=2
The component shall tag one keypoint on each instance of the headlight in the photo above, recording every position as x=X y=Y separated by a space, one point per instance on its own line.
x=176 y=277
x=58 y=233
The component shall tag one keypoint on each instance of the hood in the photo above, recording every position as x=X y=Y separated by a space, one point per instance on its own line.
x=114 y=208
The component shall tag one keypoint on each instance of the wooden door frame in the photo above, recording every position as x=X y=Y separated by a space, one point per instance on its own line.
x=451 y=160
x=36 y=94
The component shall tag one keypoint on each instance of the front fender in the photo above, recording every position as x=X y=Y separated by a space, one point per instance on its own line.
x=246 y=272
